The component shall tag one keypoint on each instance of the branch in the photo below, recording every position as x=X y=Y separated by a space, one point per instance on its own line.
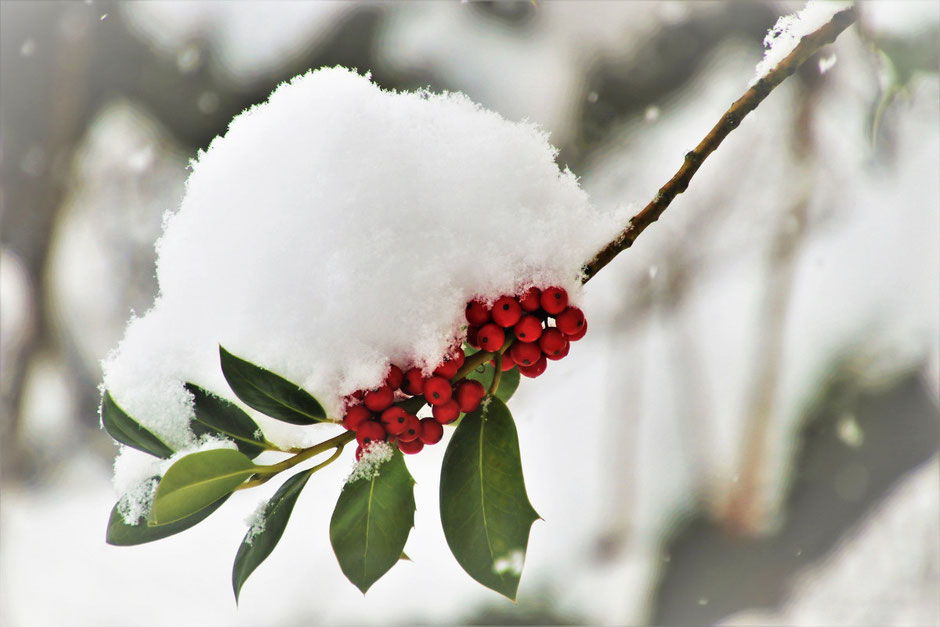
x=808 y=45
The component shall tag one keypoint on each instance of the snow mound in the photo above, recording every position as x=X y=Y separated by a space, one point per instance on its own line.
x=338 y=228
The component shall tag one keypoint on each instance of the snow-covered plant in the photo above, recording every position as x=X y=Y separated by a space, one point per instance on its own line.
x=351 y=264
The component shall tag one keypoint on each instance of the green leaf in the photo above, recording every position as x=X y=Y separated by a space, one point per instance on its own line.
x=122 y=534
x=508 y=382
x=485 y=510
x=371 y=522
x=257 y=545
x=217 y=416
x=197 y=481
x=269 y=393
x=127 y=431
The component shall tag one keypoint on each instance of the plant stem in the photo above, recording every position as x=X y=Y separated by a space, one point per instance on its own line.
x=808 y=45
x=497 y=374
x=335 y=442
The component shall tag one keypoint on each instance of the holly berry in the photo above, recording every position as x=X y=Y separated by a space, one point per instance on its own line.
x=477 y=313
x=447 y=369
x=355 y=416
x=394 y=378
x=469 y=394
x=437 y=390
x=414 y=382
x=577 y=336
x=393 y=419
x=529 y=301
x=553 y=343
x=525 y=354
x=506 y=311
x=431 y=431
x=528 y=329
x=379 y=398
x=535 y=369
x=369 y=431
x=554 y=300
x=446 y=413
x=570 y=321
x=411 y=447
x=472 y=336
x=412 y=428
x=491 y=337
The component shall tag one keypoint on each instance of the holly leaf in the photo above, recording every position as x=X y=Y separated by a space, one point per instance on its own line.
x=217 y=416
x=485 y=511
x=270 y=393
x=197 y=481
x=261 y=539
x=120 y=533
x=371 y=522
x=127 y=431
x=508 y=382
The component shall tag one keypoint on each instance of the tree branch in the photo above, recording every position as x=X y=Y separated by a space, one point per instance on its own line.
x=808 y=45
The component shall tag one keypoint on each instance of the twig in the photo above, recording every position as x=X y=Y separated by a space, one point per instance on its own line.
x=808 y=45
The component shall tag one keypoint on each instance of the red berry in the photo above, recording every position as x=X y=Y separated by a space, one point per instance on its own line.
x=412 y=447
x=491 y=337
x=395 y=377
x=472 y=339
x=437 y=390
x=554 y=300
x=414 y=382
x=506 y=311
x=508 y=362
x=477 y=313
x=358 y=453
x=446 y=413
x=431 y=431
x=393 y=419
x=468 y=394
x=530 y=300
x=525 y=354
x=359 y=395
x=570 y=321
x=577 y=336
x=553 y=343
x=528 y=329
x=412 y=428
x=369 y=431
x=379 y=398
x=535 y=369
x=355 y=416
x=447 y=369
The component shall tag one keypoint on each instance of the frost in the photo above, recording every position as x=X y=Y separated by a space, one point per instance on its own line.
x=256 y=522
x=511 y=563
x=789 y=29
x=373 y=456
x=337 y=228
x=136 y=503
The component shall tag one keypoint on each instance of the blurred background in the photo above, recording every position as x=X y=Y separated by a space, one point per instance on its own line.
x=748 y=435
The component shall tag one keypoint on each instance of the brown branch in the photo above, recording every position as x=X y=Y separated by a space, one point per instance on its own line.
x=808 y=45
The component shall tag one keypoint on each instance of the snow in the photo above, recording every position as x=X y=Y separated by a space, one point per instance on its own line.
x=373 y=456
x=789 y=29
x=338 y=228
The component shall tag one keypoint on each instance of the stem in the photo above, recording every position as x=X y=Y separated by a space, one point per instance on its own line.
x=335 y=442
x=497 y=374
x=471 y=363
x=808 y=45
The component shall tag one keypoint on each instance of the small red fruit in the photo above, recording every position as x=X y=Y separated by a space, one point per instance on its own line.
x=414 y=382
x=379 y=398
x=410 y=448
x=431 y=431
x=355 y=416
x=446 y=413
x=554 y=300
x=468 y=394
x=528 y=329
x=506 y=311
x=477 y=313
x=525 y=354
x=553 y=343
x=530 y=300
x=570 y=321
x=393 y=419
x=577 y=336
x=447 y=369
x=394 y=378
x=491 y=337
x=412 y=428
x=472 y=339
x=437 y=390
x=535 y=369
x=369 y=431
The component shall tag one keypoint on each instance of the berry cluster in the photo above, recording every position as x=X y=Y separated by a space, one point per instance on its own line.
x=526 y=321
x=516 y=327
